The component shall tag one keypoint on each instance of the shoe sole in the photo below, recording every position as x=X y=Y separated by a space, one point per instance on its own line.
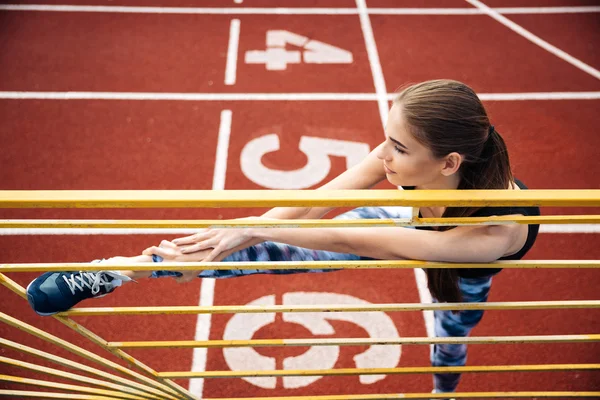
x=32 y=303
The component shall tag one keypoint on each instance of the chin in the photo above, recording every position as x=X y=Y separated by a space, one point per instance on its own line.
x=394 y=180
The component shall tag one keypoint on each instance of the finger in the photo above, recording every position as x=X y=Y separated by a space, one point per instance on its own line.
x=205 y=244
x=190 y=239
x=216 y=251
x=164 y=253
x=185 y=240
x=168 y=245
x=148 y=251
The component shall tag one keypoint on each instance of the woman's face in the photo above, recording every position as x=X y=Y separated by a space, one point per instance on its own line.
x=406 y=161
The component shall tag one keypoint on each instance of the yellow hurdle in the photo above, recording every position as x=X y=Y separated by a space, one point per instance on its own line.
x=153 y=385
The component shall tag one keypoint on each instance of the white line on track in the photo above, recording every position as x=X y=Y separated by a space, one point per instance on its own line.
x=275 y=96
x=207 y=287
x=547 y=228
x=475 y=11
x=382 y=102
x=535 y=39
x=293 y=11
x=189 y=96
x=232 y=52
x=373 y=55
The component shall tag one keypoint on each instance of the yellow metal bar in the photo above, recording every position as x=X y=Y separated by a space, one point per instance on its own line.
x=166 y=386
x=367 y=264
x=357 y=341
x=88 y=355
x=300 y=223
x=379 y=396
x=383 y=371
x=134 y=387
x=63 y=386
x=272 y=198
x=124 y=391
x=509 y=305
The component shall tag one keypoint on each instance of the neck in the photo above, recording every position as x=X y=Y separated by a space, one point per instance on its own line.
x=446 y=183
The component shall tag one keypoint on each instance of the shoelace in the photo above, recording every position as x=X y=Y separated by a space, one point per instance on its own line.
x=92 y=280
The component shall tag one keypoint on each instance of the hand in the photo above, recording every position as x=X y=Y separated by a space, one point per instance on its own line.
x=170 y=252
x=220 y=239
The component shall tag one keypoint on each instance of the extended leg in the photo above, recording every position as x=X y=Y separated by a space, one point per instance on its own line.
x=271 y=251
x=460 y=324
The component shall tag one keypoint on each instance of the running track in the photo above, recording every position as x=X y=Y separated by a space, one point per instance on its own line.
x=147 y=94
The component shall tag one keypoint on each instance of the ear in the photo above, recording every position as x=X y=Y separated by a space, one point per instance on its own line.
x=452 y=163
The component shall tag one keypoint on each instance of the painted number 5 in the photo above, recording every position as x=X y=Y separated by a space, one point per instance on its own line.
x=316 y=169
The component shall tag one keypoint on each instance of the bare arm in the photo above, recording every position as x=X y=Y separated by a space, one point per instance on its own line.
x=462 y=244
x=364 y=175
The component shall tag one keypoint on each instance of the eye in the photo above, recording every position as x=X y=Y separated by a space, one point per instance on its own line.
x=399 y=150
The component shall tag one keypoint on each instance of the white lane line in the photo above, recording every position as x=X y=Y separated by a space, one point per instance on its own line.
x=382 y=102
x=540 y=96
x=181 y=10
x=222 y=151
x=531 y=96
x=373 y=55
x=475 y=11
x=293 y=11
x=535 y=39
x=276 y=96
x=189 y=96
x=207 y=288
x=232 y=52
x=547 y=10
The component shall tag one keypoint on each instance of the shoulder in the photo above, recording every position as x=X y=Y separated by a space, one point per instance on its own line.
x=517 y=233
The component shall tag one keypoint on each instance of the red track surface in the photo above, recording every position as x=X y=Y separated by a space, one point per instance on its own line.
x=98 y=144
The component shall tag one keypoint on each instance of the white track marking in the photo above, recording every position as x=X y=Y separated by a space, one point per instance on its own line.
x=189 y=96
x=293 y=11
x=207 y=288
x=373 y=54
x=232 y=52
x=475 y=11
x=531 y=96
x=535 y=39
x=382 y=102
x=548 y=228
x=275 y=96
x=222 y=150
x=547 y=10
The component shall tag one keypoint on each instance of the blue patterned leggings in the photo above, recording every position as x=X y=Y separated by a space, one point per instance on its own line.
x=446 y=323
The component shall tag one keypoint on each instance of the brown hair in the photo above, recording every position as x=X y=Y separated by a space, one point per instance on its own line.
x=447 y=116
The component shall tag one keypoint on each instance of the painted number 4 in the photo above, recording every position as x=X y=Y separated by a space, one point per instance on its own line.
x=277 y=58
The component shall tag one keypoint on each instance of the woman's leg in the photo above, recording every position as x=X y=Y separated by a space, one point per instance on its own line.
x=53 y=292
x=447 y=324
x=272 y=251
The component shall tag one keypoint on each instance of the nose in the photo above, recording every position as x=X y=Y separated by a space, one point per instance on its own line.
x=383 y=153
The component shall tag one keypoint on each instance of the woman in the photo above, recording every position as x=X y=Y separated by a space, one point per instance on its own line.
x=438 y=136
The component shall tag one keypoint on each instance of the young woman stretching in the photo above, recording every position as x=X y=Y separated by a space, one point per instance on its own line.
x=438 y=136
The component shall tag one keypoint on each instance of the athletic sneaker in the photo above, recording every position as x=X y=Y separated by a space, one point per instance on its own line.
x=53 y=292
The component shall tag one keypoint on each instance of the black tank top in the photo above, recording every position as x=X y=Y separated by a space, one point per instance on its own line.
x=489 y=211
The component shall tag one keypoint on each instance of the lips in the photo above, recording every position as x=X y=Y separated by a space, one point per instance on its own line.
x=387 y=170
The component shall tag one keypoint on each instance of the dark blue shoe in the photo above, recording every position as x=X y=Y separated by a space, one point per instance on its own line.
x=53 y=292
